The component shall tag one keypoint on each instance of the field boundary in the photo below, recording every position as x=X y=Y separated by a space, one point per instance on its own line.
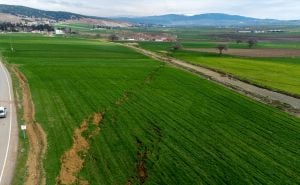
x=287 y=103
x=251 y=53
x=36 y=135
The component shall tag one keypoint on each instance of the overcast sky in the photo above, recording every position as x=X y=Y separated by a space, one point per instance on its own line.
x=279 y=9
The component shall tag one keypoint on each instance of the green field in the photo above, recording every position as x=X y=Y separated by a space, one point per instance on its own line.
x=280 y=74
x=181 y=127
x=161 y=46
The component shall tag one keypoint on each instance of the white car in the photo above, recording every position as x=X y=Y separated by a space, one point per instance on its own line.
x=3 y=112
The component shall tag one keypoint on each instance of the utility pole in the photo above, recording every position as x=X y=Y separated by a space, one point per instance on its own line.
x=11 y=45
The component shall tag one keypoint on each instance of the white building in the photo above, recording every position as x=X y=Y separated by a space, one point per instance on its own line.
x=59 y=32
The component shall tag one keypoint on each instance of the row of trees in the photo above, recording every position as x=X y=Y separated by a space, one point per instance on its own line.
x=251 y=42
x=9 y=27
x=223 y=47
x=177 y=45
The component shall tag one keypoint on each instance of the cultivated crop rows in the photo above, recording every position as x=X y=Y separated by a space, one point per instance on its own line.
x=159 y=124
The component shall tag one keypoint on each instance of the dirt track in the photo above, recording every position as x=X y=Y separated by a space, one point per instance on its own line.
x=253 y=52
x=285 y=102
x=37 y=137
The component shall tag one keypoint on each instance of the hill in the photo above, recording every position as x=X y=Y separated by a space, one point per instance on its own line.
x=31 y=12
x=211 y=19
x=9 y=18
x=11 y=13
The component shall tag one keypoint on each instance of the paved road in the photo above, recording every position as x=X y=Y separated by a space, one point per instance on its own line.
x=8 y=129
x=250 y=90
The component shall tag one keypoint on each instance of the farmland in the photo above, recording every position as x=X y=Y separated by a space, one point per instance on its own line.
x=280 y=74
x=158 y=124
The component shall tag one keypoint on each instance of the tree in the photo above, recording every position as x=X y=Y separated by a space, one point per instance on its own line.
x=113 y=37
x=98 y=36
x=238 y=41
x=221 y=48
x=251 y=43
x=177 y=46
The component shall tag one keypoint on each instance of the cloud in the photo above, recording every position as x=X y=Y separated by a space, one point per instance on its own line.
x=279 y=9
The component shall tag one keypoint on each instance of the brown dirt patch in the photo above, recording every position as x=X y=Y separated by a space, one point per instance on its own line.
x=129 y=182
x=141 y=167
x=9 y=18
x=102 y=22
x=142 y=156
x=37 y=140
x=73 y=160
x=97 y=119
x=37 y=137
x=253 y=52
x=83 y=182
x=123 y=99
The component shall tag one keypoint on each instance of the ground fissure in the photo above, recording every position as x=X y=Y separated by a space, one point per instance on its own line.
x=72 y=161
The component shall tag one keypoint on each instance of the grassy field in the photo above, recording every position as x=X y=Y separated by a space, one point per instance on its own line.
x=280 y=74
x=161 y=46
x=75 y=26
x=161 y=125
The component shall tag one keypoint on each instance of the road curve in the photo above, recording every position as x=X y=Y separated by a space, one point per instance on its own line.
x=8 y=129
x=250 y=90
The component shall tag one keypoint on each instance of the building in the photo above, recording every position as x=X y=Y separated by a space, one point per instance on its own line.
x=60 y=32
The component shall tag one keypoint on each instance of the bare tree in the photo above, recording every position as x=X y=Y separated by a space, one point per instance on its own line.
x=221 y=48
x=97 y=36
x=238 y=41
x=113 y=37
x=177 y=46
x=251 y=43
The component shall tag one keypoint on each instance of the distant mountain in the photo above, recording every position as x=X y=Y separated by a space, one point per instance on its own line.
x=211 y=19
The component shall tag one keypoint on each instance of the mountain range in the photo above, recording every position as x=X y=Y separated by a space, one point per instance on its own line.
x=210 y=19
x=17 y=13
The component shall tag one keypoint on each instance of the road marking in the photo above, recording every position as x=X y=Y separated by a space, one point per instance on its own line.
x=10 y=122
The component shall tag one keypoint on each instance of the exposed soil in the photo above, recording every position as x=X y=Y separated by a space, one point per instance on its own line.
x=103 y=22
x=72 y=161
x=83 y=182
x=141 y=162
x=37 y=137
x=9 y=18
x=253 y=52
x=37 y=140
x=141 y=167
x=123 y=99
x=143 y=153
x=129 y=182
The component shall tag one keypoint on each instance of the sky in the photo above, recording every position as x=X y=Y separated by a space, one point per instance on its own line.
x=277 y=9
